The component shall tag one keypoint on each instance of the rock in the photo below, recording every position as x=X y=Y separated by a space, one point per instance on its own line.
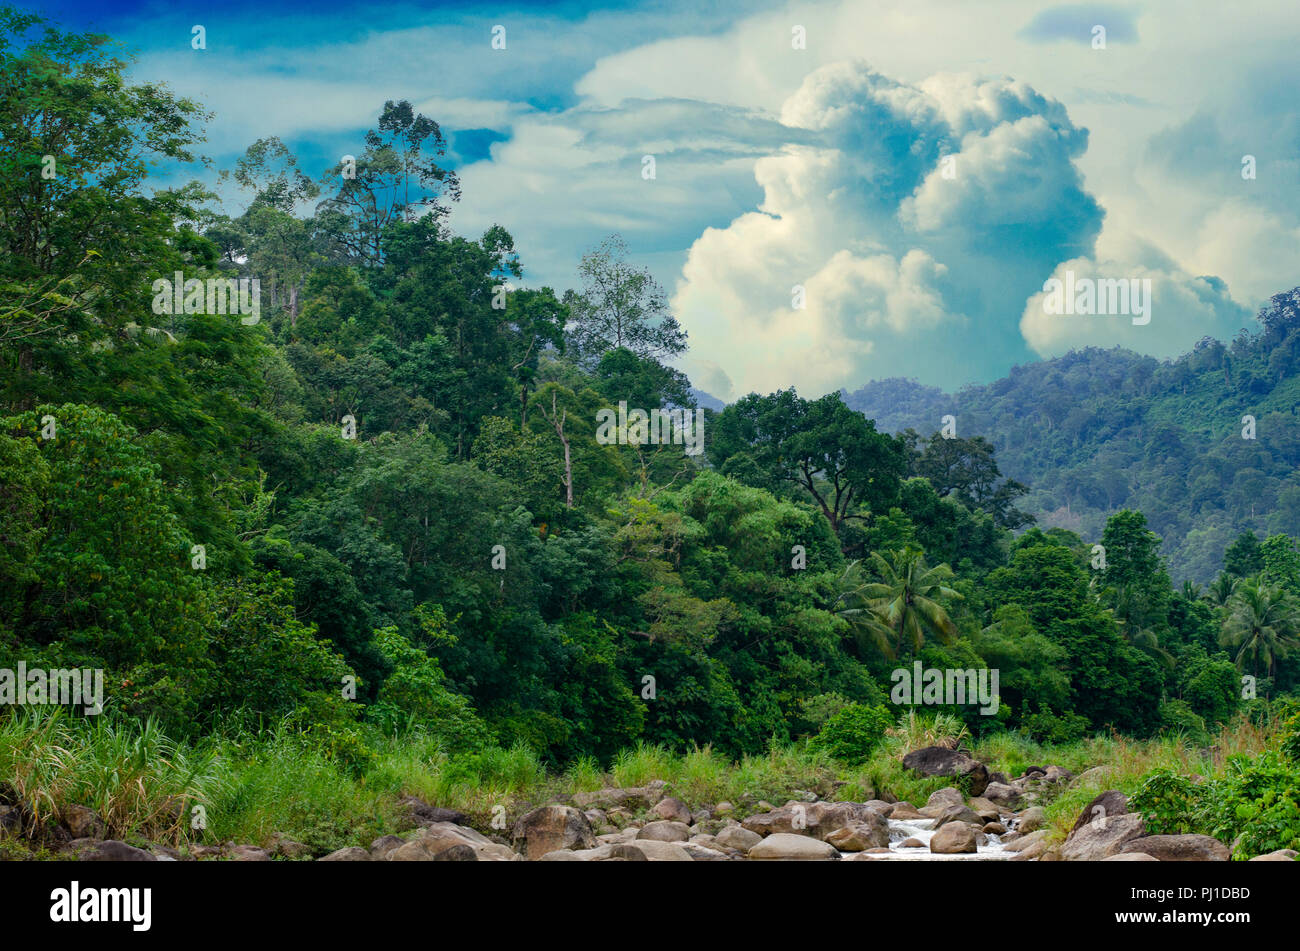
x=249 y=853
x=672 y=809
x=738 y=837
x=723 y=809
x=665 y=831
x=953 y=839
x=1033 y=849
x=1110 y=803
x=83 y=823
x=563 y=855
x=782 y=846
x=457 y=853
x=994 y=828
x=911 y=843
x=620 y=818
x=631 y=798
x=1281 y=855
x=1001 y=794
x=114 y=850
x=886 y=809
x=619 y=838
x=1033 y=818
x=423 y=814
x=289 y=849
x=351 y=854
x=817 y=819
x=984 y=809
x=1058 y=776
x=1101 y=838
x=861 y=835
x=957 y=814
x=380 y=848
x=440 y=836
x=651 y=850
x=1024 y=842
x=905 y=810
x=948 y=796
x=999 y=778
x=702 y=853
x=1180 y=848
x=597 y=818
x=1130 y=857
x=940 y=761
x=1094 y=776
x=552 y=827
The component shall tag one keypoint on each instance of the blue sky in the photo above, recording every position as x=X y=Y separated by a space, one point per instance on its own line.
x=915 y=172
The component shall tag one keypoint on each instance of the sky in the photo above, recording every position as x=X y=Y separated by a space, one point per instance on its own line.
x=841 y=191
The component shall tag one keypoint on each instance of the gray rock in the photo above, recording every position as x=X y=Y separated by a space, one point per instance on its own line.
x=1096 y=840
x=552 y=827
x=782 y=846
x=954 y=838
x=665 y=831
x=1180 y=848
x=351 y=854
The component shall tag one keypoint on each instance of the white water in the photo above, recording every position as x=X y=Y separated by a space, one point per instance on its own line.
x=902 y=829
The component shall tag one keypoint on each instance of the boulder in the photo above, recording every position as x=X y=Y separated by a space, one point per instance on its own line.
x=911 y=843
x=948 y=796
x=351 y=854
x=113 y=850
x=994 y=828
x=953 y=839
x=1130 y=857
x=289 y=849
x=861 y=835
x=631 y=798
x=1104 y=837
x=82 y=823
x=1110 y=803
x=1032 y=819
x=1025 y=842
x=380 y=848
x=1281 y=855
x=1180 y=848
x=985 y=809
x=738 y=837
x=651 y=850
x=957 y=814
x=905 y=810
x=817 y=819
x=940 y=761
x=552 y=827
x=665 y=831
x=423 y=814
x=1094 y=776
x=249 y=853
x=1002 y=794
x=723 y=809
x=782 y=846
x=672 y=809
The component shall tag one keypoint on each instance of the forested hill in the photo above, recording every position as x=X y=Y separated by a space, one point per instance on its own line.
x=1096 y=431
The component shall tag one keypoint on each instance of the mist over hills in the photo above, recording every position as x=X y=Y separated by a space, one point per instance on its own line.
x=1097 y=431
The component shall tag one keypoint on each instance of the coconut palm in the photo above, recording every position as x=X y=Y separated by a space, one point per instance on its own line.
x=1262 y=624
x=900 y=608
x=1220 y=590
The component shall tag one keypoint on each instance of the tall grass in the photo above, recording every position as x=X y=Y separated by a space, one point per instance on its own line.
x=132 y=776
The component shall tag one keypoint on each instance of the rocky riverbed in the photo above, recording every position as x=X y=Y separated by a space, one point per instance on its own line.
x=639 y=824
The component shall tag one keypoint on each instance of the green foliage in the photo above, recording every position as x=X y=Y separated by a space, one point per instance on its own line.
x=852 y=734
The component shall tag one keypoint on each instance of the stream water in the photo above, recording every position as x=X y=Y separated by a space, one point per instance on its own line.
x=922 y=829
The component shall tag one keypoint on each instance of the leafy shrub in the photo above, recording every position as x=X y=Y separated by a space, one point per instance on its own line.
x=1166 y=800
x=853 y=734
x=1048 y=727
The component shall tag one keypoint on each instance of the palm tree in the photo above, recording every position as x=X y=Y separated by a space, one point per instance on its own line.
x=1220 y=590
x=1262 y=624
x=901 y=607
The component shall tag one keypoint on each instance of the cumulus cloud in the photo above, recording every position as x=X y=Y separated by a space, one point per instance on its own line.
x=913 y=227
